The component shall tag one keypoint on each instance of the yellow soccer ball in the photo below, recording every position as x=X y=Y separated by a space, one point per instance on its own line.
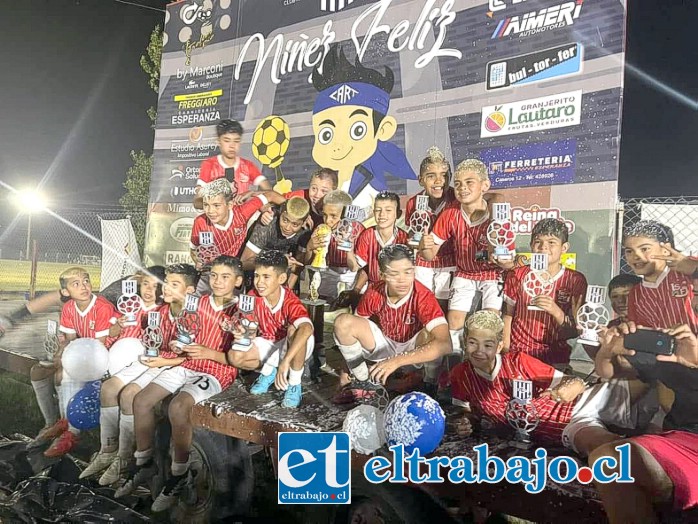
x=270 y=141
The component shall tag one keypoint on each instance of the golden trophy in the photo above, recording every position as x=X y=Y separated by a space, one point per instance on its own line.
x=320 y=259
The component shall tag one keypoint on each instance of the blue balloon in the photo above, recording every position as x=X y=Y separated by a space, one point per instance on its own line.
x=83 y=408
x=416 y=421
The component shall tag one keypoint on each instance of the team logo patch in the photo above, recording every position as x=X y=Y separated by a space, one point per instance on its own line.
x=238 y=231
x=344 y=94
x=412 y=319
x=679 y=290
x=92 y=324
x=564 y=296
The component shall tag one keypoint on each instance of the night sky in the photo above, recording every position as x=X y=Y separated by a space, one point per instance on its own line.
x=75 y=97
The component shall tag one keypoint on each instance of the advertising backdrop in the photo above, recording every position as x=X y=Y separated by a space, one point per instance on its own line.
x=533 y=88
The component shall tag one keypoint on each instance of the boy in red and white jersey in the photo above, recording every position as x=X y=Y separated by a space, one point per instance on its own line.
x=568 y=412
x=467 y=226
x=544 y=333
x=245 y=173
x=84 y=315
x=284 y=339
x=386 y=211
x=409 y=327
x=201 y=372
x=663 y=298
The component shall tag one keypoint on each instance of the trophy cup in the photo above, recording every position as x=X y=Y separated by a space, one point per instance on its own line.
x=593 y=315
x=500 y=232
x=152 y=335
x=207 y=251
x=187 y=323
x=538 y=281
x=244 y=319
x=345 y=232
x=320 y=259
x=129 y=303
x=51 y=342
x=522 y=414
x=420 y=221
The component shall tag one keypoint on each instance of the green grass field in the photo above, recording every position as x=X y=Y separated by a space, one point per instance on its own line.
x=15 y=275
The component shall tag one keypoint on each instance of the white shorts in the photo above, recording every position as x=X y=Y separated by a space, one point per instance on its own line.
x=139 y=374
x=438 y=279
x=200 y=386
x=267 y=348
x=463 y=293
x=605 y=403
x=386 y=347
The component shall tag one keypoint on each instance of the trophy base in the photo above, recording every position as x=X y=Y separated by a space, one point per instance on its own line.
x=243 y=348
x=520 y=444
x=534 y=308
x=130 y=323
x=319 y=268
x=586 y=342
x=151 y=353
x=344 y=247
x=318 y=302
x=179 y=346
x=414 y=243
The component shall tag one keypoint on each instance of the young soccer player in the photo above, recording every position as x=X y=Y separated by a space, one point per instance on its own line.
x=409 y=328
x=467 y=226
x=284 y=340
x=568 y=411
x=199 y=374
x=180 y=280
x=663 y=298
x=338 y=276
x=434 y=177
x=282 y=234
x=246 y=173
x=618 y=290
x=84 y=315
x=544 y=334
x=386 y=211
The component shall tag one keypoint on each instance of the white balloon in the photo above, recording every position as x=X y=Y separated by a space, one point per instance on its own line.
x=365 y=427
x=124 y=352
x=85 y=359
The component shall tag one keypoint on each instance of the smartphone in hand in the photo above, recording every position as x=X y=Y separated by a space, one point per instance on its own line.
x=230 y=174
x=650 y=341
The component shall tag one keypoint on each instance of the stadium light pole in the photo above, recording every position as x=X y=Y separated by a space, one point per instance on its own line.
x=29 y=201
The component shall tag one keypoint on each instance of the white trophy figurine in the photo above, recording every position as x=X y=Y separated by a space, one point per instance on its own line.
x=521 y=413
x=51 y=342
x=593 y=315
x=538 y=281
x=344 y=233
x=129 y=303
x=152 y=335
x=245 y=319
x=420 y=221
x=500 y=232
x=207 y=251
x=187 y=323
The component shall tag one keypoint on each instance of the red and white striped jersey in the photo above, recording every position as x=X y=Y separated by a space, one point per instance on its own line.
x=664 y=303
x=141 y=322
x=403 y=320
x=337 y=257
x=488 y=395
x=445 y=257
x=369 y=244
x=93 y=322
x=536 y=332
x=468 y=239
x=246 y=173
x=211 y=335
x=274 y=321
x=230 y=237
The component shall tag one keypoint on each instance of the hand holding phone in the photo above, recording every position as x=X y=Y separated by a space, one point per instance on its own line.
x=650 y=341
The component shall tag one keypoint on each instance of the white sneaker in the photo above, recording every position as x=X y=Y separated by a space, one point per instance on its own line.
x=114 y=472
x=101 y=462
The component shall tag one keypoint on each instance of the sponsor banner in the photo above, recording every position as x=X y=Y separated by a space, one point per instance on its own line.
x=180 y=230
x=178 y=257
x=523 y=219
x=547 y=163
x=550 y=63
x=535 y=114
x=539 y=21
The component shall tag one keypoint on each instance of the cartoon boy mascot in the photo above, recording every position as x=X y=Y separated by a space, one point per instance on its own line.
x=352 y=127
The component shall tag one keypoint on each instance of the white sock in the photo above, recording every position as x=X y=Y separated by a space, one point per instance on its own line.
x=43 y=389
x=127 y=439
x=456 y=336
x=109 y=428
x=70 y=388
x=294 y=377
x=61 y=404
x=268 y=369
x=143 y=456
x=353 y=354
x=179 y=468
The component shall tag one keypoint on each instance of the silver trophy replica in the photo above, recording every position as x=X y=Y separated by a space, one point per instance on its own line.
x=152 y=335
x=500 y=232
x=129 y=303
x=245 y=323
x=593 y=315
x=420 y=221
x=538 y=281
x=51 y=342
x=521 y=413
x=187 y=323
x=345 y=233
x=207 y=251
